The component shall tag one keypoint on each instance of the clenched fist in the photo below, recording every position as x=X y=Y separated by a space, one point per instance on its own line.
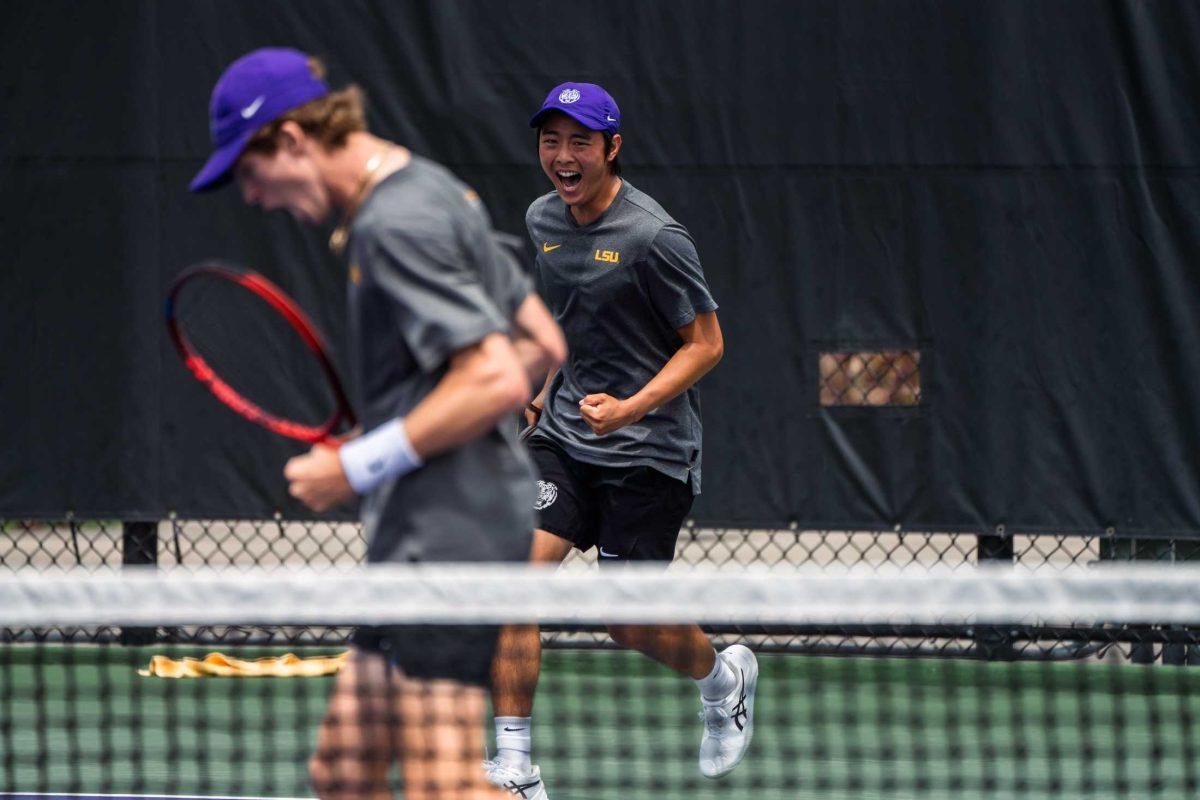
x=317 y=479
x=605 y=413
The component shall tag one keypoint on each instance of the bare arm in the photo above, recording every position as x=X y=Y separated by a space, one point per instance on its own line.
x=537 y=339
x=533 y=409
x=703 y=346
x=484 y=383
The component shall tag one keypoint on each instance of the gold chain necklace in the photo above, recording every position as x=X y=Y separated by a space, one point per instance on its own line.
x=340 y=235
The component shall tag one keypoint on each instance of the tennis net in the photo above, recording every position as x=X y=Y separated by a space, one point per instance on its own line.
x=77 y=717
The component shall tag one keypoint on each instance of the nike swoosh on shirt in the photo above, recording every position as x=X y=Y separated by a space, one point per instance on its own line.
x=547 y=247
x=250 y=110
x=605 y=554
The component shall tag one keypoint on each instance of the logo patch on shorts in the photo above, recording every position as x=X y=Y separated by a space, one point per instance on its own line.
x=547 y=494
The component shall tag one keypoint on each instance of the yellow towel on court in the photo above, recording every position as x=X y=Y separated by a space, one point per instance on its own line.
x=218 y=665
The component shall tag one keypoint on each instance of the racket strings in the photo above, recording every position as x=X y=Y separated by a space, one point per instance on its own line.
x=254 y=350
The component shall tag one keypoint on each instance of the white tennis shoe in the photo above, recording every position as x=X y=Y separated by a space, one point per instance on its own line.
x=729 y=723
x=526 y=785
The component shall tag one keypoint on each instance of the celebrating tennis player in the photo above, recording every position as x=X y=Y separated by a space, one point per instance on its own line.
x=444 y=334
x=618 y=435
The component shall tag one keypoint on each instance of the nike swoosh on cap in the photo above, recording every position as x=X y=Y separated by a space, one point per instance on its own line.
x=547 y=247
x=250 y=110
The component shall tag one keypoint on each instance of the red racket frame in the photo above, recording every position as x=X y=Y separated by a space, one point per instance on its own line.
x=290 y=311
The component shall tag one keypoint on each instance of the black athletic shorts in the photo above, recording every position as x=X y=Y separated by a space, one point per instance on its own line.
x=460 y=653
x=628 y=513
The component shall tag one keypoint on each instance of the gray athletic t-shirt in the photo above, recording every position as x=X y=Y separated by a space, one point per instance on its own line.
x=428 y=277
x=620 y=288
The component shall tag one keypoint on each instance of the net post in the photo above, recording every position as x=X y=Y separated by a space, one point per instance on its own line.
x=1112 y=548
x=139 y=547
x=1174 y=653
x=994 y=643
x=1188 y=550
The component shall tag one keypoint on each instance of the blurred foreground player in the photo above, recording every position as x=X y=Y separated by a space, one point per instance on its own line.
x=618 y=433
x=445 y=336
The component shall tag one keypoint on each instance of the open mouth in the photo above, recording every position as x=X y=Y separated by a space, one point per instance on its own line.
x=569 y=178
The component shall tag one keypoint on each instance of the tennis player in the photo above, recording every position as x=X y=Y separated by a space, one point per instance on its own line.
x=445 y=334
x=618 y=442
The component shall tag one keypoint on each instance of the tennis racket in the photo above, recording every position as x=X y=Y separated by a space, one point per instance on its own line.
x=257 y=352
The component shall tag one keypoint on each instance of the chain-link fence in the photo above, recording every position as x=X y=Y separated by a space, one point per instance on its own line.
x=872 y=378
x=243 y=544
x=193 y=544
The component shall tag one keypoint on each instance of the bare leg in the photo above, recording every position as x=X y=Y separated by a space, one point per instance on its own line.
x=376 y=717
x=441 y=740
x=684 y=648
x=518 y=658
x=355 y=746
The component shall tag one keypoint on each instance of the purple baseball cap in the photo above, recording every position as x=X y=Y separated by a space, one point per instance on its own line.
x=586 y=103
x=253 y=91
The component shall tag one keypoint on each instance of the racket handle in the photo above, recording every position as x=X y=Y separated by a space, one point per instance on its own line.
x=336 y=442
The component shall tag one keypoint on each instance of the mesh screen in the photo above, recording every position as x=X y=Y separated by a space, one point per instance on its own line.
x=609 y=722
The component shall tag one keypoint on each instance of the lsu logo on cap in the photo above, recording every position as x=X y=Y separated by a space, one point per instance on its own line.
x=568 y=96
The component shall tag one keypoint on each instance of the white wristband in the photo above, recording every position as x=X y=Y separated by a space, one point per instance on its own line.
x=374 y=457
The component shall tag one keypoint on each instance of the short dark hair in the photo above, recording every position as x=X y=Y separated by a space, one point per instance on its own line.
x=608 y=146
x=615 y=164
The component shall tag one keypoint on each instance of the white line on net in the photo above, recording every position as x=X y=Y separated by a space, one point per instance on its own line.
x=499 y=593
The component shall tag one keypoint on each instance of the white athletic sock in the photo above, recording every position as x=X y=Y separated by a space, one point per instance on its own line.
x=719 y=683
x=514 y=741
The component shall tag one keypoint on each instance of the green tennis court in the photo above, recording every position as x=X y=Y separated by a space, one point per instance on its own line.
x=78 y=719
